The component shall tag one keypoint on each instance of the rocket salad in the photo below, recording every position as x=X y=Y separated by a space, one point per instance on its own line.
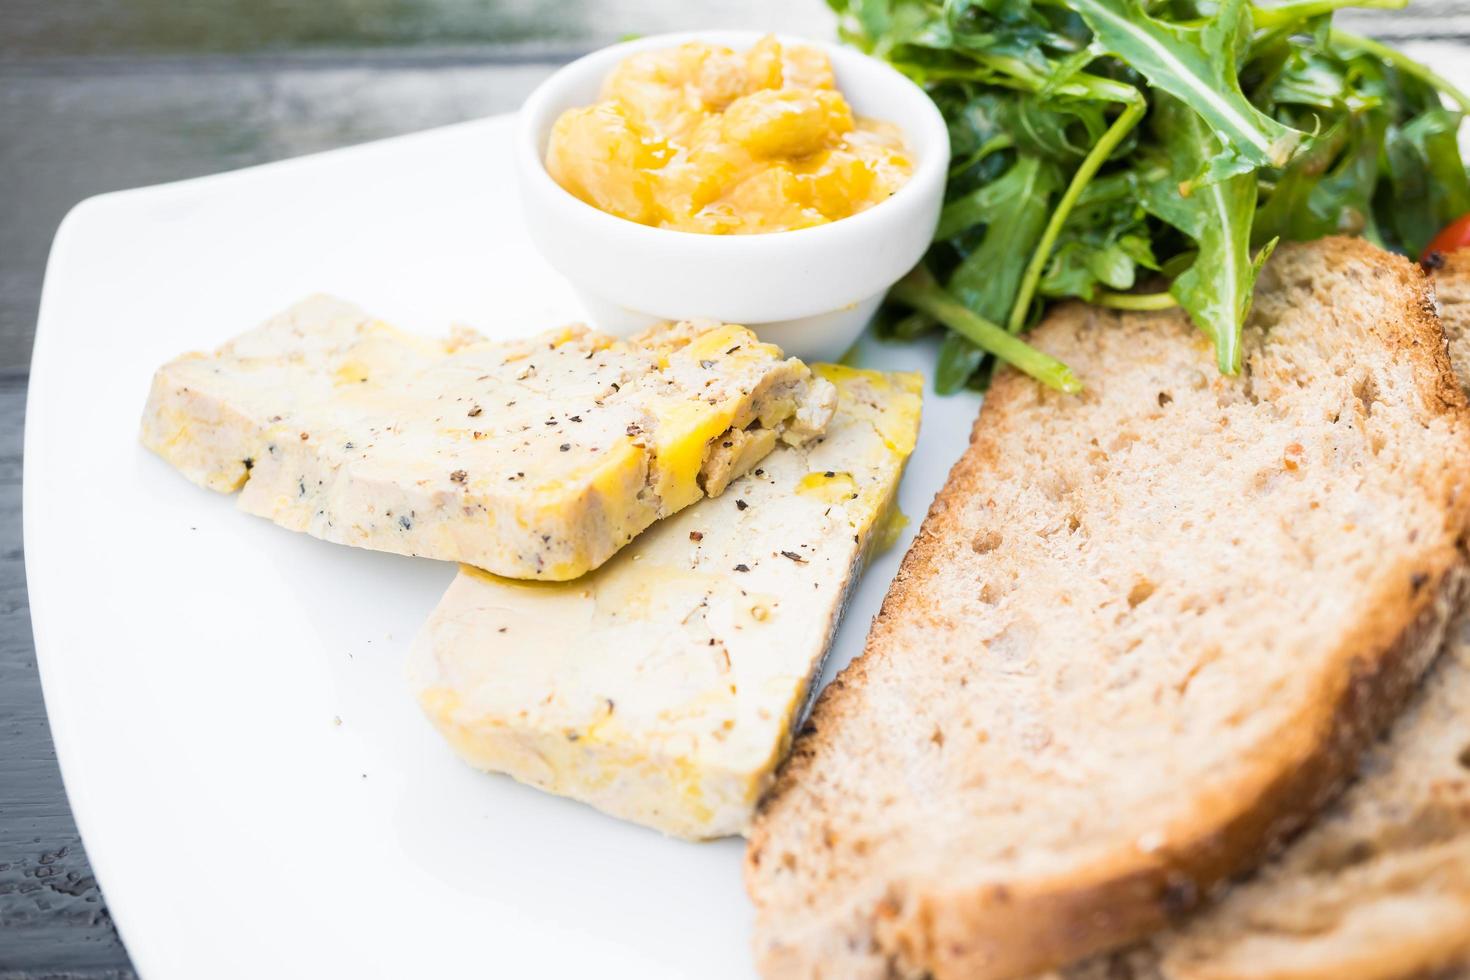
x=1101 y=144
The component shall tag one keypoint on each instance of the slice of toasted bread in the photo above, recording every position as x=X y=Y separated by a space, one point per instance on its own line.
x=1452 y=289
x=1143 y=634
x=1379 y=888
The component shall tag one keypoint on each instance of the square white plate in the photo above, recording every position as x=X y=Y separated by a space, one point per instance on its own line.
x=257 y=791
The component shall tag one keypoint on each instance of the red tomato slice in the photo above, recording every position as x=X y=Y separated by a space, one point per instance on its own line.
x=1455 y=236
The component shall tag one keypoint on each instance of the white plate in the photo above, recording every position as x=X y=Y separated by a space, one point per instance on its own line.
x=196 y=660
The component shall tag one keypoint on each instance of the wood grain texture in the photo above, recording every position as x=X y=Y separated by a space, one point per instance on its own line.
x=52 y=920
x=158 y=26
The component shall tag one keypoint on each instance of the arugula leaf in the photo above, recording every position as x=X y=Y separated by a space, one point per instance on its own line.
x=1426 y=175
x=1310 y=78
x=1196 y=65
x=915 y=324
x=1081 y=264
x=1293 y=13
x=919 y=290
x=1051 y=128
x=1341 y=201
x=959 y=358
x=1293 y=187
x=1216 y=288
x=975 y=208
x=1118 y=132
x=987 y=278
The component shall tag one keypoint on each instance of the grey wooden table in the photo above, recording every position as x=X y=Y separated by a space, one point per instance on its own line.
x=98 y=97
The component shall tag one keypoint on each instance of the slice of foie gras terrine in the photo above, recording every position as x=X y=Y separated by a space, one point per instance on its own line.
x=663 y=687
x=536 y=459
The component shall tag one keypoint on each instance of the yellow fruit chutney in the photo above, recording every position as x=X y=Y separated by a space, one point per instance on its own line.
x=705 y=139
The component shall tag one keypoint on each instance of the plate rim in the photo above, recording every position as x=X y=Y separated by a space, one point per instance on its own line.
x=55 y=695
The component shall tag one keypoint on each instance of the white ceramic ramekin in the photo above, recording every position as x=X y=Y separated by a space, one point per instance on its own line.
x=810 y=291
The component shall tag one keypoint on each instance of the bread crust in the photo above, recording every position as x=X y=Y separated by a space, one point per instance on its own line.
x=1379 y=888
x=1012 y=933
x=898 y=926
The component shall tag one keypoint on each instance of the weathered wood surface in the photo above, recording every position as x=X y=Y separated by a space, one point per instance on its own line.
x=102 y=97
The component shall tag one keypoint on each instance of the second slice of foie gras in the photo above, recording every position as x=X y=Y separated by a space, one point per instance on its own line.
x=663 y=687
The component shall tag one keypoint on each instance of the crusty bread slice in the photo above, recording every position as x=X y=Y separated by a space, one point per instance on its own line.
x=1143 y=634
x=1379 y=887
x=1452 y=289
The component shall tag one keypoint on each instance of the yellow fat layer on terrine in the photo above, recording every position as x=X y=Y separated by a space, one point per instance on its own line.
x=534 y=459
x=663 y=687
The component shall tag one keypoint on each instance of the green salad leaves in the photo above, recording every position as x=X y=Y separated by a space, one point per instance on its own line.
x=1099 y=144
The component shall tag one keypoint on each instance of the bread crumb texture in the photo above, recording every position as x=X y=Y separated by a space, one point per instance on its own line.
x=1378 y=889
x=1143 y=635
x=1380 y=886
